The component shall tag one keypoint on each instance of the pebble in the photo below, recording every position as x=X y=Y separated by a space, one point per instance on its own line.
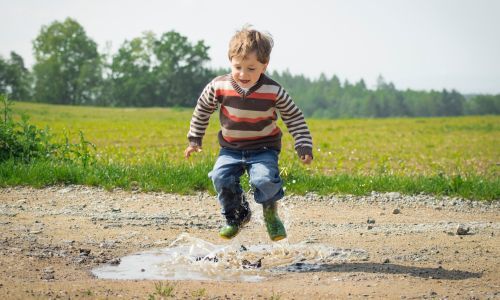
x=114 y=261
x=462 y=230
x=396 y=211
x=48 y=273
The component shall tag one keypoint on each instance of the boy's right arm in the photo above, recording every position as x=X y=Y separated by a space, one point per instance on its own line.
x=206 y=105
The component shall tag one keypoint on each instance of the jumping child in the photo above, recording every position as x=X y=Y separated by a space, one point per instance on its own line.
x=250 y=140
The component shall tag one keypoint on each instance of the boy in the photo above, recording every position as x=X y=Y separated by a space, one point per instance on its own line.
x=249 y=137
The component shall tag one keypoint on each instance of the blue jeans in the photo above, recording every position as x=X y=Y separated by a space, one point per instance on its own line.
x=262 y=167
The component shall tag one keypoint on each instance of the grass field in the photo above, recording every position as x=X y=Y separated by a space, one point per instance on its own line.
x=373 y=152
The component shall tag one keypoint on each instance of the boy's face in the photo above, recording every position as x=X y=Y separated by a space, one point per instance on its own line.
x=247 y=70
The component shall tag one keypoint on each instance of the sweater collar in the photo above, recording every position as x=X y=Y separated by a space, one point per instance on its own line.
x=244 y=93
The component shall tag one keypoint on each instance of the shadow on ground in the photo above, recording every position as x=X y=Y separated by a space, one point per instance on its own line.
x=435 y=273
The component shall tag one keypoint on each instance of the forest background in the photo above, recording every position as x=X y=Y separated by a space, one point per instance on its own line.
x=170 y=71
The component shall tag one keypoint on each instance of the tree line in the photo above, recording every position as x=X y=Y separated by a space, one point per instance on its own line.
x=330 y=98
x=169 y=70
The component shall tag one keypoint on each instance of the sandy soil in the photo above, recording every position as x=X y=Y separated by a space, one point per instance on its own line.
x=52 y=238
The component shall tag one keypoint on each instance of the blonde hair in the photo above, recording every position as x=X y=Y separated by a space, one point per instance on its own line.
x=248 y=40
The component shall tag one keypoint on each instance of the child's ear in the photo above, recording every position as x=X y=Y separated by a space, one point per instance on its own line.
x=265 y=67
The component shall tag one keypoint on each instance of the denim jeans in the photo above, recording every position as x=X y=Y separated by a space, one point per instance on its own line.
x=262 y=167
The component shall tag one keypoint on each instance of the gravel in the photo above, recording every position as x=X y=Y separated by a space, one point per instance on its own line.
x=110 y=210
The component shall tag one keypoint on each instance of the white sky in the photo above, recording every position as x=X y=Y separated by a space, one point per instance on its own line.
x=418 y=44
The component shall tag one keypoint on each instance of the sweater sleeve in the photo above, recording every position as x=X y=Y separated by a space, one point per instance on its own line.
x=205 y=106
x=294 y=120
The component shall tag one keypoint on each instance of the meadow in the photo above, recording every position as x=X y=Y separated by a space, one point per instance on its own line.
x=144 y=146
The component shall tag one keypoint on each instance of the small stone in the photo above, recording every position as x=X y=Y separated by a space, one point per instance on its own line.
x=370 y=221
x=114 y=261
x=84 y=252
x=396 y=211
x=386 y=261
x=462 y=230
x=48 y=273
x=370 y=227
x=80 y=260
x=48 y=276
x=134 y=186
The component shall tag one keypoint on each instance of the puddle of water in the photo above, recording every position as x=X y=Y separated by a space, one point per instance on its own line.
x=190 y=258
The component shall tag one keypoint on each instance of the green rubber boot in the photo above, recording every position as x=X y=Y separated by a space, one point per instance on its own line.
x=274 y=226
x=229 y=231
x=232 y=228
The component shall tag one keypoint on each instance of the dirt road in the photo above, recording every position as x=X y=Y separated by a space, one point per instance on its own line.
x=383 y=246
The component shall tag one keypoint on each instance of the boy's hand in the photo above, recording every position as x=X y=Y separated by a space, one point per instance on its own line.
x=306 y=159
x=191 y=149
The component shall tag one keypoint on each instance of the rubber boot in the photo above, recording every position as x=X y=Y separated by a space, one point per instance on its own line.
x=229 y=231
x=274 y=226
x=233 y=224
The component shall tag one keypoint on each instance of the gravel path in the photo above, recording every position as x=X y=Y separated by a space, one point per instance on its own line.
x=413 y=246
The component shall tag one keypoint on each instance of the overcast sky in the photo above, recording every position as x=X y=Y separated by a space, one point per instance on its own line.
x=419 y=44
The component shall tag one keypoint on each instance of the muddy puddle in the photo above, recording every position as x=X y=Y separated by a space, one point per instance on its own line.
x=191 y=258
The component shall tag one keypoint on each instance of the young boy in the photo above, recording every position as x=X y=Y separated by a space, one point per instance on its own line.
x=249 y=138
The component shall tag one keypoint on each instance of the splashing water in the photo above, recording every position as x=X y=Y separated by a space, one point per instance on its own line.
x=190 y=258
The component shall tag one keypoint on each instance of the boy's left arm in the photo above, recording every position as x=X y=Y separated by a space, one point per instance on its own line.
x=294 y=120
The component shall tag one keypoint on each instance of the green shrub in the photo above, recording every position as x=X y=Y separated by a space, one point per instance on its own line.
x=24 y=142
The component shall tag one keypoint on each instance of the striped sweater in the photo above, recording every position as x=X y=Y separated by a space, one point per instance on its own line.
x=248 y=118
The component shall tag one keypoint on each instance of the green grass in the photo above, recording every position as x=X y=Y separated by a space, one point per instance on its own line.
x=199 y=293
x=446 y=156
x=160 y=176
x=186 y=178
x=162 y=290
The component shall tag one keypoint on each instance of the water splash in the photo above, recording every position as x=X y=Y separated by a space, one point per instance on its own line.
x=190 y=258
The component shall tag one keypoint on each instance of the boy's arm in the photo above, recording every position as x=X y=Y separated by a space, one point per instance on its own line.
x=294 y=120
x=205 y=106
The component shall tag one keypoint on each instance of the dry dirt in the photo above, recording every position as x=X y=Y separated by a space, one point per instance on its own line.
x=52 y=238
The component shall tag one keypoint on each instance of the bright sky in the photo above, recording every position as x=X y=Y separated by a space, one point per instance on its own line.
x=417 y=44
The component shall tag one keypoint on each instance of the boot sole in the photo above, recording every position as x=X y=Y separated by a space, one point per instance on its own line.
x=278 y=238
x=226 y=237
